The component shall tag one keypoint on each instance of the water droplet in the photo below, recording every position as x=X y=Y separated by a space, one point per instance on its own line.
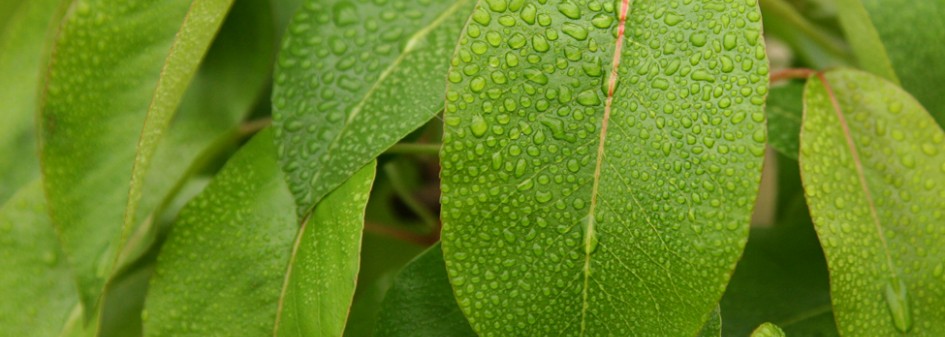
x=478 y=126
x=897 y=299
x=588 y=98
x=344 y=13
x=570 y=10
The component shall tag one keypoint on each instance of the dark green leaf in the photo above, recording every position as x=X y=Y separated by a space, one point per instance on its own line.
x=124 y=66
x=784 y=117
x=421 y=302
x=873 y=163
x=556 y=223
x=354 y=77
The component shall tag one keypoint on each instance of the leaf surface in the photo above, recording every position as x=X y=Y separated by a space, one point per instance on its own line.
x=912 y=32
x=353 y=78
x=713 y=326
x=233 y=283
x=784 y=111
x=600 y=163
x=24 y=49
x=124 y=66
x=767 y=330
x=873 y=162
x=38 y=291
x=421 y=304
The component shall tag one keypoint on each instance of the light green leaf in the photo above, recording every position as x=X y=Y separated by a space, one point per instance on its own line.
x=125 y=67
x=234 y=280
x=784 y=114
x=580 y=202
x=873 y=163
x=421 y=302
x=37 y=288
x=24 y=49
x=864 y=39
x=913 y=34
x=767 y=330
x=353 y=78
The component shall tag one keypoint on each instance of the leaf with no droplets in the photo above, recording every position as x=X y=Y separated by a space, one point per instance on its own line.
x=873 y=164
x=354 y=77
x=600 y=163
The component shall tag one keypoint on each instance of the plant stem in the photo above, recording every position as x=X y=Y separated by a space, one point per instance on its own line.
x=417 y=207
x=402 y=235
x=793 y=73
x=414 y=148
x=249 y=128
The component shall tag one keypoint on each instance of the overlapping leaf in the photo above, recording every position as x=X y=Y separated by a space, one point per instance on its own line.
x=117 y=74
x=354 y=77
x=901 y=40
x=600 y=163
x=223 y=270
x=873 y=163
x=38 y=291
x=24 y=48
x=783 y=110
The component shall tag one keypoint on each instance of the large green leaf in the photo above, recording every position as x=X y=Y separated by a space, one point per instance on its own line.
x=816 y=46
x=117 y=74
x=38 y=291
x=223 y=268
x=913 y=34
x=600 y=163
x=873 y=163
x=864 y=39
x=713 y=326
x=353 y=78
x=24 y=48
x=421 y=302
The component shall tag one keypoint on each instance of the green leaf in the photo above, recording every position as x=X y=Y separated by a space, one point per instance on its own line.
x=713 y=326
x=354 y=78
x=912 y=33
x=223 y=268
x=873 y=162
x=767 y=330
x=24 y=49
x=784 y=112
x=864 y=39
x=421 y=302
x=576 y=202
x=38 y=291
x=125 y=67
x=814 y=45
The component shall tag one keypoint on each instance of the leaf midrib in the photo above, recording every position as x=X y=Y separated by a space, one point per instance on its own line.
x=589 y=233
x=861 y=176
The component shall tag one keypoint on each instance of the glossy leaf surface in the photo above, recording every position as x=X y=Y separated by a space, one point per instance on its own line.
x=767 y=330
x=713 y=326
x=144 y=55
x=24 y=48
x=38 y=291
x=421 y=302
x=600 y=163
x=873 y=163
x=233 y=283
x=354 y=77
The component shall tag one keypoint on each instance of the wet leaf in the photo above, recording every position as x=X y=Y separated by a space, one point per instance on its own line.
x=767 y=330
x=233 y=283
x=350 y=87
x=783 y=110
x=24 y=49
x=421 y=302
x=713 y=326
x=38 y=291
x=126 y=67
x=873 y=163
x=580 y=202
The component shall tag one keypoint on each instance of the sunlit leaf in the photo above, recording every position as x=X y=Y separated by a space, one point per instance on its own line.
x=354 y=77
x=873 y=164
x=116 y=77
x=588 y=194
x=223 y=269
